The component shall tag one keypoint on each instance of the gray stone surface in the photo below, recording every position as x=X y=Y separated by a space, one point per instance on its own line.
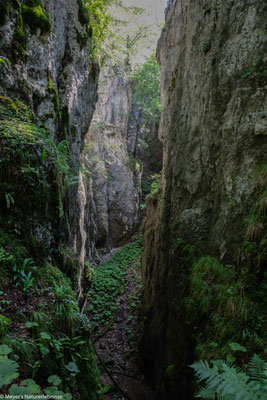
x=113 y=179
x=74 y=77
x=213 y=130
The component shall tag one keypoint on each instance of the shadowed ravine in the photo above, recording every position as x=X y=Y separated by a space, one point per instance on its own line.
x=133 y=202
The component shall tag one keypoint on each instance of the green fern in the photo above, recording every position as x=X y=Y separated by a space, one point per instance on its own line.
x=258 y=369
x=21 y=345
x=225 y=381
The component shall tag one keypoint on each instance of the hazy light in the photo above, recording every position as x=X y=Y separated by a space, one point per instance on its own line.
x=154 y=9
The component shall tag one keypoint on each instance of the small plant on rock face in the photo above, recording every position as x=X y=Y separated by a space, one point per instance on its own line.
x=255 y=227
x=4 y=62
x=23 y=274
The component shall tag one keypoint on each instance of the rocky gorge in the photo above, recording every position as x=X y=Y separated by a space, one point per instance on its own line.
x=71 y=187
x=213 y=129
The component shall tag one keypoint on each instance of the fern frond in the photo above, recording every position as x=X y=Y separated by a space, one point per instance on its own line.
x=206 y=393
x=21 y=346
x=234 y=383
x=228 y=382
x=203 y=370
x=258 y=369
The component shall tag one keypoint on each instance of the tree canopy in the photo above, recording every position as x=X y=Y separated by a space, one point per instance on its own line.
x=147 y=89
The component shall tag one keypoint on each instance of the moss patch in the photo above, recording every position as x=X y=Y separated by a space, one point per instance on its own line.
x=20 y=43
x=226 y=303
x=52 y=90
x=4 y=10
x=82 y=39
x=30 y=13
x=83 y=13
x=33 y=15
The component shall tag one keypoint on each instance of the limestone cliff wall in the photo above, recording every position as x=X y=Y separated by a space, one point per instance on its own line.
x=213 y=128
x=50 y=70
x=112 y=177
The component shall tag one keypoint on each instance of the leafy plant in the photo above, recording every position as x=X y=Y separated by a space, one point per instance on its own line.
x=31 y=159
x=4 y=323
x=108 y=284
x=4 y=62
x=23 y=274
x=147 y=90
x=228 y=382
x=54 y=379
x=27 y=387
x=8 y=368
x=8 y=371
x=20 y=345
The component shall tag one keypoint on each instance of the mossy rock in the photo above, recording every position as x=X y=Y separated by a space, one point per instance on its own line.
x=82 y=39
x=88 y=380
x=51 y=275
x=33 y=15
x=7 y=107
x=52 y=90
x=4 y=10
x=82 y=14
x=20 y=42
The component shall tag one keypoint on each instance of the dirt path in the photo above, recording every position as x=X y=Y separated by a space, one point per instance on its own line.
x=118 y=346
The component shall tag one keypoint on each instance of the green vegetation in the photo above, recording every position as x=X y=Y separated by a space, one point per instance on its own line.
x=147 y=90
x=225 y=309
x=228 y=382
x=233 y=311
x=109 y=283
x=9 y=372
x=150 y=185
x=31 y=162
x=83 y=12
x=4 y=10
x=33 y=15
x=257 y=71
x=4 y=62
x=94 y=14
x=52 y=90
x=46 y=333
x=30 y=13
x=20 y=42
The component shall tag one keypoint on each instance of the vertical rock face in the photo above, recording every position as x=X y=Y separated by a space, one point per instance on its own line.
x=213 y=129
x=41 y=211
x=113 y=178
x=55 y=77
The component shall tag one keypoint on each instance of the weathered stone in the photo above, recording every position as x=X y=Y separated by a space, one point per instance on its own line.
x=114 y=179
x=57 y=57
x=213 y=130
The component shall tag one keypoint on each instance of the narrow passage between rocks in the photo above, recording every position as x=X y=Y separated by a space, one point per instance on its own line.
x=114 y=311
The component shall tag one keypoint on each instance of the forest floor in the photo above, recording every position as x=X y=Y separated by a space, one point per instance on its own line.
x=117 y=343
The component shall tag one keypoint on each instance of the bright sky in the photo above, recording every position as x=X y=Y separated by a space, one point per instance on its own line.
x=153 y=17
x=155 y=8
